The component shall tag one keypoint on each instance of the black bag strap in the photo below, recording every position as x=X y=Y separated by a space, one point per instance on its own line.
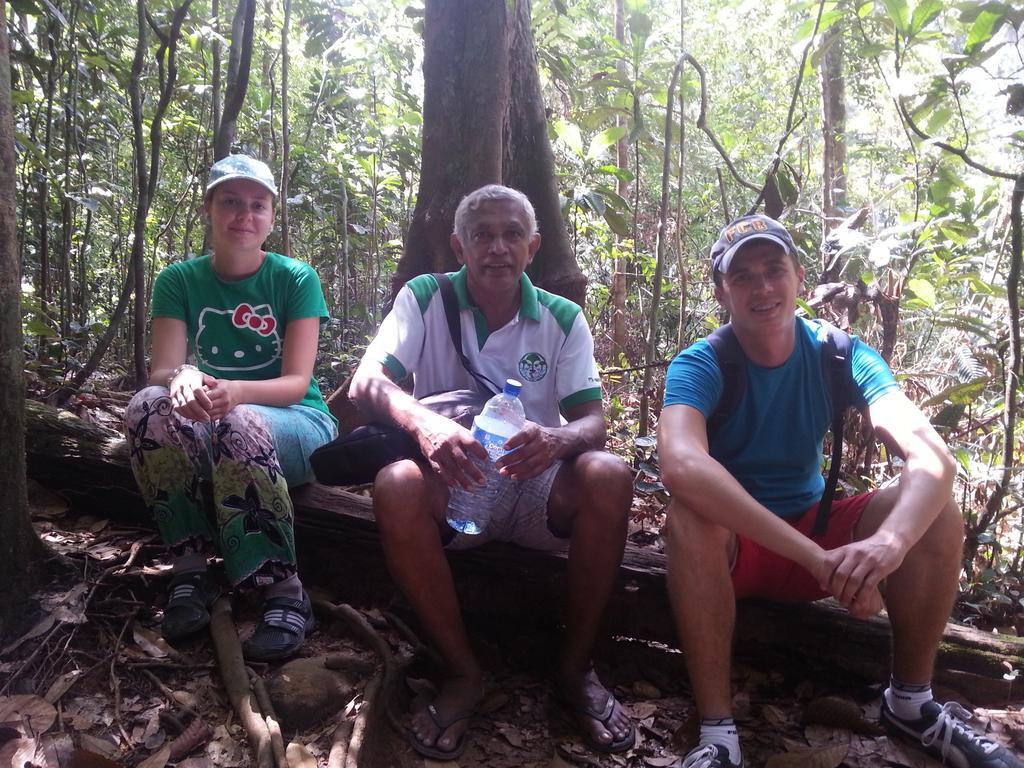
x=837 y=369
x=733 y=365
x=837 y=364
x=451 y=313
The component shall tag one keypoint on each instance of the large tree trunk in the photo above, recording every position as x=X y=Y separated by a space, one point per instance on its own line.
x=142 y=201
x=833 y=107
x=215 y=64
x=47 y=35
x=529 y=165
x=19 y=545
x=618 y=289
x=239 y=63
x=484 y=123
x=286 y=245
x=147 y=175
x=338 y=544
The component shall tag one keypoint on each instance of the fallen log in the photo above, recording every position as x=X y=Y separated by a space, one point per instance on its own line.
x=507 y=585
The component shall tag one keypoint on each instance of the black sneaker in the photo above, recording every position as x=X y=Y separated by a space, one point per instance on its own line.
x=282 y=630
x=709 y=756
x=942 y=733
x=188 y=605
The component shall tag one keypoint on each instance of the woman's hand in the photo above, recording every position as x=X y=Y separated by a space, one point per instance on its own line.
x=223 y=394
x=189 y=395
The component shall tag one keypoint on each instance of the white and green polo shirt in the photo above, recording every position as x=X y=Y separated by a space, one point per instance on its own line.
x=547 y=346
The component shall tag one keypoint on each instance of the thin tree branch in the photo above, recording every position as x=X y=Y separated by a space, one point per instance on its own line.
x=790 y=125
x=961 y=153
x=903 y=123
x=702 y=119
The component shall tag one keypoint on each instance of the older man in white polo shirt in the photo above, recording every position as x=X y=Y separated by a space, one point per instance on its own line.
x=570 y=493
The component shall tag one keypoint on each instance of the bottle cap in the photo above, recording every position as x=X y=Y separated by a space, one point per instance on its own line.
x=512 y=387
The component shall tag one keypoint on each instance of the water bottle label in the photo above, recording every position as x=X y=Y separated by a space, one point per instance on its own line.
x=495 y=444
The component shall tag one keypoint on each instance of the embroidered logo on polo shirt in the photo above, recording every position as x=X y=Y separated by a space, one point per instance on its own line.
x=533 y=366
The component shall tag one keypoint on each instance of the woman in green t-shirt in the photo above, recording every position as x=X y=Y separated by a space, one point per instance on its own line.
x=233 y=429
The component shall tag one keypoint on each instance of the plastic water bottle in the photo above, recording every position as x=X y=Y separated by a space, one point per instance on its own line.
x=501 y=417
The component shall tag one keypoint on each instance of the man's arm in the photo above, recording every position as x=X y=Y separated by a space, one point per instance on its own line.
x=925 y=487
x=535 y=448
x=704 y=486
x=446 y=445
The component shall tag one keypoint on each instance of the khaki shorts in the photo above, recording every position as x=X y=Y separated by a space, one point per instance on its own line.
x=521 y=518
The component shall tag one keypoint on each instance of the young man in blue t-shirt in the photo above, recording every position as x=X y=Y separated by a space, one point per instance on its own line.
x=744 y=502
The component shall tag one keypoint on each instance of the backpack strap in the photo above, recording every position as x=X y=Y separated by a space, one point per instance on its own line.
x=732 y=364
x=837 y=368
x=451 y=314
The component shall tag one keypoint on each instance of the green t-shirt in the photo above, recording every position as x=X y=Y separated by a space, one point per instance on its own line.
x=236 y=328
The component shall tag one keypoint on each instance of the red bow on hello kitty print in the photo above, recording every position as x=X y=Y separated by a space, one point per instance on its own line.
x=244 y=317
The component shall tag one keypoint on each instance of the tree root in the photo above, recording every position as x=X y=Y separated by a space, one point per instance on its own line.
x=236 y=682
x=355 y=742
x=339 y=745
x=418 y=646
x=380 y=688
x=273 y=724
x=197 y=734
x=169 y=695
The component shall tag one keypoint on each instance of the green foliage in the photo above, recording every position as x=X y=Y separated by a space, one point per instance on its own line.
x=933 y=240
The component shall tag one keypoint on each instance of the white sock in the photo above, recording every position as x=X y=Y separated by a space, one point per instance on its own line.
x=906 y=700
x=721 y=731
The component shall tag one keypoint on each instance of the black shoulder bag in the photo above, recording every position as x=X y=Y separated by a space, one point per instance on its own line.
x=357 y=457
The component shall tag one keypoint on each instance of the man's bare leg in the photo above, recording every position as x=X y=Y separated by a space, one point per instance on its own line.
x=590 y=498
x=919 y=595
x=703 y=605
x=409 y=502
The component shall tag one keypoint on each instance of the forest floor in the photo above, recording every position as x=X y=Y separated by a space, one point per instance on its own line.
x=91 y=684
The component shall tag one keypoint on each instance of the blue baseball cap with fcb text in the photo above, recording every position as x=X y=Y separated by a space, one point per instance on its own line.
x=746 y=229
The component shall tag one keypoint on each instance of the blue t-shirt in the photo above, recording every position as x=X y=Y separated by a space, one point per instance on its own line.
x=772 y=441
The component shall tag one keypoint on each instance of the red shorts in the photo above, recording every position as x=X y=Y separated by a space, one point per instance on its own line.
x=759 y=572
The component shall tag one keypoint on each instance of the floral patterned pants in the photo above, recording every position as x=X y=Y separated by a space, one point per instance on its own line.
x=239 y=467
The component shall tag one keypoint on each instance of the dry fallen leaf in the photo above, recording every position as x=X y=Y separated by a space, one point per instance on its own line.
x=12 y=747
x=493 y=702
x=84 y=758
x=40 y=713
x=641 y=710
x=68 y=607
x=299 y=757
x=512 y=735
x=158 y=759
x=151 y=642
x=61 y=685
x=825 y=757
x=44 y=503
x=840 y=713
x=642 y=689
x=775 y=716
x=42 y=626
